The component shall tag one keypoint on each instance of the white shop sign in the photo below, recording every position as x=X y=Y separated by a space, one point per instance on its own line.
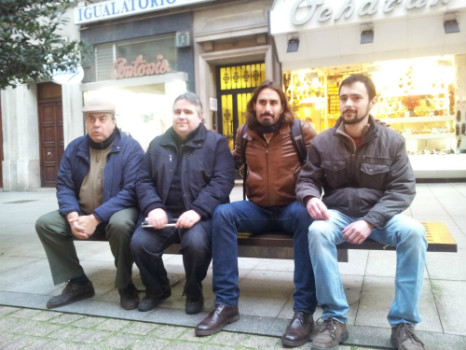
x=106 y=10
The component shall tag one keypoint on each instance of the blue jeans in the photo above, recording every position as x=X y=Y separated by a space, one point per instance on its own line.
x=402 y=232
x=244 y=216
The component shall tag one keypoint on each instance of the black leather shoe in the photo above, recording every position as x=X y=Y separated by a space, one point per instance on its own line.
x=218 y=318
x=72 y=292
x=129 y=297
x=299 y=330
x=194 y=305
x=151 y=300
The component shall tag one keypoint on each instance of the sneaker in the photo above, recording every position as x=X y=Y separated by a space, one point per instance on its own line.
x=72 y=292
x=129 y=297
x=194 y=305
x=404 y=338
x=331 y=334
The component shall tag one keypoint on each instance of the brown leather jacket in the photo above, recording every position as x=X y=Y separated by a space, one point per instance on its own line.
x=273 y=166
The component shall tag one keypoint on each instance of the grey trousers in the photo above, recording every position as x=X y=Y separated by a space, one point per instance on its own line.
x=58 y=241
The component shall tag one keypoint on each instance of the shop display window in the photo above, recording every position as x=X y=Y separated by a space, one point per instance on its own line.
x=416 y=97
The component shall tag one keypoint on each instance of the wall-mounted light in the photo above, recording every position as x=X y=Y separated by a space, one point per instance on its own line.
x=367 y=33
x=293 y=43
x=450 y=23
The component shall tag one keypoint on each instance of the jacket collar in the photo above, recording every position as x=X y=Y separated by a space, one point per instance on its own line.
x=168 y=139
x=116 y=145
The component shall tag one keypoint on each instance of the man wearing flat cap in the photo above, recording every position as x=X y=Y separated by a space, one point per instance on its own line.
x=96 y=196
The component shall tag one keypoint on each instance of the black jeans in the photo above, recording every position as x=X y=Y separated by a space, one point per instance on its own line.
x=147 y=246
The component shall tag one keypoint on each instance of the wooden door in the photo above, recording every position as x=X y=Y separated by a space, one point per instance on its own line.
x=50 y=132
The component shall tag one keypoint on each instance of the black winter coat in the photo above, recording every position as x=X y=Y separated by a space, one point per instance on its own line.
x=207 y=172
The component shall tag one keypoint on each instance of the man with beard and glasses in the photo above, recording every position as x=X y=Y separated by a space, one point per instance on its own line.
x=363 y=172
x=273 y=165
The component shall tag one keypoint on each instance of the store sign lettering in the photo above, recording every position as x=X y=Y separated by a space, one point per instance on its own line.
x=304 y=11
x=140 y=67
x=105 y=10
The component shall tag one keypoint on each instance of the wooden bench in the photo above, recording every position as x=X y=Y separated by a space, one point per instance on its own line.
x=280 y=246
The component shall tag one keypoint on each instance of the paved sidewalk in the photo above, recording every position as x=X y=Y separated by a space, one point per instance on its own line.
x=266 y=288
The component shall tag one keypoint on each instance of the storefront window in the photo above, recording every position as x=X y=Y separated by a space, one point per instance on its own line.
x=141 y=77
x=142 y=111
x=415 y=96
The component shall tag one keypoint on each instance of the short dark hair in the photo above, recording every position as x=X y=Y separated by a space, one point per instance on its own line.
x=368 y=83
x=192 y=98
x=287 y=115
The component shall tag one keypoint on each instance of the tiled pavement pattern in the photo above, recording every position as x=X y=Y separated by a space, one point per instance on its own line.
x=266 y=288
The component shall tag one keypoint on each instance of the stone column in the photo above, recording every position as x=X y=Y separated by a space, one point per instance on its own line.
x=21 y=165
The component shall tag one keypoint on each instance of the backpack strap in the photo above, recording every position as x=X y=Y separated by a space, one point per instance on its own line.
x=244 y=142
x=296 y=133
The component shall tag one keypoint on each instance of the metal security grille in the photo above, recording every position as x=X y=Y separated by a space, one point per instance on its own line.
x=236 y=84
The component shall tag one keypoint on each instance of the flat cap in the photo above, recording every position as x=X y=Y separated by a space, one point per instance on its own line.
x=99 y=104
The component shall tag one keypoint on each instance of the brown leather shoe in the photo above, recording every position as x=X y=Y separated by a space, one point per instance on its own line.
x=299 y=330
x=404 y=337
x=218 y=318
x=331 y=334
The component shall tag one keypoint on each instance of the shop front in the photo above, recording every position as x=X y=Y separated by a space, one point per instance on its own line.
x=142 y=65
x=415 y=52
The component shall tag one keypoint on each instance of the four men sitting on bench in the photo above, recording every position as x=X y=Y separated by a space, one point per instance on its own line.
x=362 y=170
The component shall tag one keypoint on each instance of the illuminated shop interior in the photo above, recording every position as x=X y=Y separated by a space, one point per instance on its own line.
x=143 y=111
x=415 y=96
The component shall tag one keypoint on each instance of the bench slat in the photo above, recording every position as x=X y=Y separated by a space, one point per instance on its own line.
x=276 y=245
x=438 y=237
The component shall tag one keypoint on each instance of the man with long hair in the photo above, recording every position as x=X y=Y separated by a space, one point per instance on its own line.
x=273 y=166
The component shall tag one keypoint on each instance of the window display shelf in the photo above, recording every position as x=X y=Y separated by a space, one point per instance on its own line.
x=418 y=119
x=429 y=136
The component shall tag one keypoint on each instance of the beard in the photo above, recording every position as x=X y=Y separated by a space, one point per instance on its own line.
x=269 y=121
x=355 y=119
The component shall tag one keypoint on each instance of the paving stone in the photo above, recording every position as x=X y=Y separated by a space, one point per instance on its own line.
x=88 y=322
x=179 y=345
x=141 y=328
x=260 y=342
x=66 y=333
x=26 y=313
x=91 y=336
x=5 y=310
x=119 y=341
x=229 y=338
x=150 y=343
x=112 y=325
x=17 y=343
x=168 y=332
x=42 y=329
x=66 y=318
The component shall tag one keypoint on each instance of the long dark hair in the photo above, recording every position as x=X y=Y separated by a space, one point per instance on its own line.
x=287 y=115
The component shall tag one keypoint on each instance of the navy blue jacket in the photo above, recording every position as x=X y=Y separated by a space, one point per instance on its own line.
x=207 y=172
x=120 y=174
